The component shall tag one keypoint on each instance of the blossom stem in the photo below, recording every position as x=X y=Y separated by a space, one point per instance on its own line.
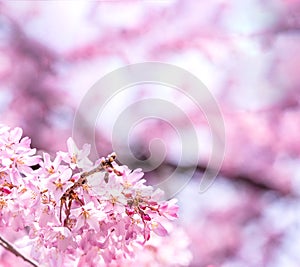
x=8 y=246
x=104 y=165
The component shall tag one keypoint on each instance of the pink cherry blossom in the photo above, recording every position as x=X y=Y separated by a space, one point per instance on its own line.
x=77 y=212
x=76 y=157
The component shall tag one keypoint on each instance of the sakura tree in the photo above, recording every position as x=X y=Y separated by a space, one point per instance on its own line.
x=245 y=52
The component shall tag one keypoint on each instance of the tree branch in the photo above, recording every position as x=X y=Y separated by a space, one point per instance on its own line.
x=8 y=246
x=245 y=179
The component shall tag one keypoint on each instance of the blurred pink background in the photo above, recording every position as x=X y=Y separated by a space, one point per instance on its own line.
x=247 y=53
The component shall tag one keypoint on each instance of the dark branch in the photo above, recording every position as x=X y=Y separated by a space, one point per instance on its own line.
x=8 y=246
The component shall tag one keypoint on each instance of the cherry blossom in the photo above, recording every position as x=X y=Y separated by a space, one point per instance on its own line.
x=69 y=220
x=247 y=54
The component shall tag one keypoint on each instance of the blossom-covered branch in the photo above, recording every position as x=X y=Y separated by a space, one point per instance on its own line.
x=77 y=212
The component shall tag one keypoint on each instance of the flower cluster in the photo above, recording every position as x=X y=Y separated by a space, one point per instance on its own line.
x=77 y=213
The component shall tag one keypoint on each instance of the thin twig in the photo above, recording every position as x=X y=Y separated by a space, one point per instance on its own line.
x=8 y=246
x=70 y=195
